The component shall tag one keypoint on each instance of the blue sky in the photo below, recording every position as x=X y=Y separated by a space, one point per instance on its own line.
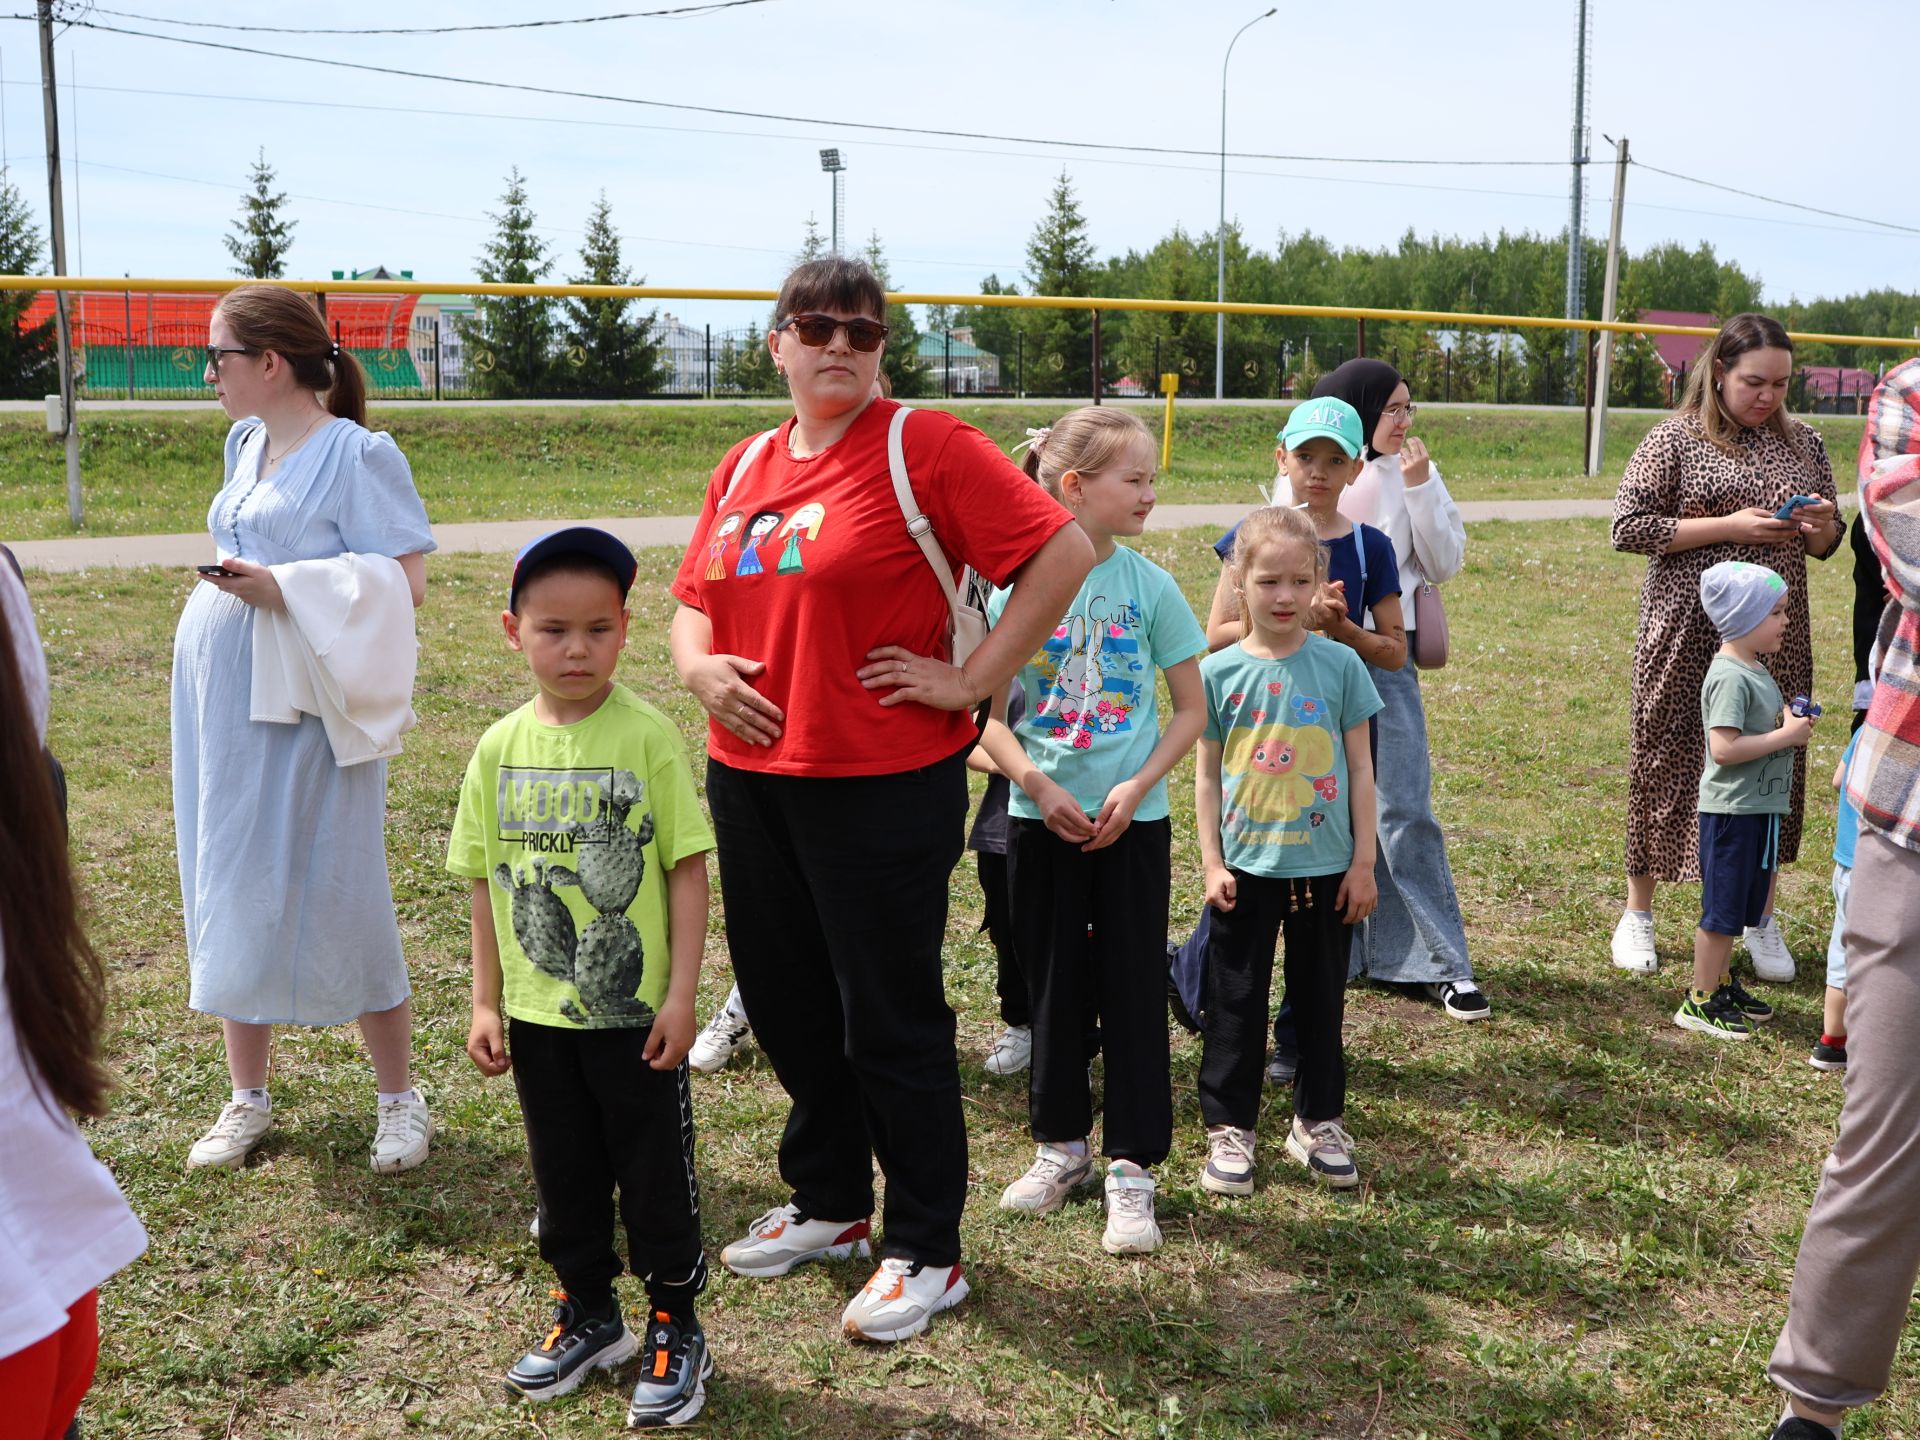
x=401 y=172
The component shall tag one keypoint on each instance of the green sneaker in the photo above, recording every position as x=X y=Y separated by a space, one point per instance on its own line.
x=1717 y=1016
x=1757 y=1011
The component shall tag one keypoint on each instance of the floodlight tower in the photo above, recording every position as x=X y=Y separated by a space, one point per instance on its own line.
x=831 y=162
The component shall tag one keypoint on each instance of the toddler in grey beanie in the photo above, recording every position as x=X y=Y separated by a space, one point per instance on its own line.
x=1738 y=596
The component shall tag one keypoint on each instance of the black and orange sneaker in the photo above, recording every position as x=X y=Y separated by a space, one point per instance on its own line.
x=675 y=1364
x=576 y=1345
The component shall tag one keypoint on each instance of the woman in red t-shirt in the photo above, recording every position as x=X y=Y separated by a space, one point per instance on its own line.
x=837 y=777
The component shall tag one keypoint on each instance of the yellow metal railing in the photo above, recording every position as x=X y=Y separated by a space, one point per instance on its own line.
x=1448 y=318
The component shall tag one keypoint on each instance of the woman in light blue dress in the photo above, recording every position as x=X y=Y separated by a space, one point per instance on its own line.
x=283 y=872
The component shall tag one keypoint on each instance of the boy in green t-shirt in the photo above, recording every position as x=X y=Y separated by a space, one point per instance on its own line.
x=1745 y=787
x=581 y=832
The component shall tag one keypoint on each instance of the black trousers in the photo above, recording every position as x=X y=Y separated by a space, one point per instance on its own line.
x=835 y=892
x=1010 y=980
x=1240 y=950
x=600 y=1119
x=1121 y=892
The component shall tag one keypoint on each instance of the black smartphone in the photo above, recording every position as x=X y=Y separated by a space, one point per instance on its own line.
x=219 y=570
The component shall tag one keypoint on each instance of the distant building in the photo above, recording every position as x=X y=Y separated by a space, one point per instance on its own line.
x=954 y=365
x=1678 y=352
x=1837 y=389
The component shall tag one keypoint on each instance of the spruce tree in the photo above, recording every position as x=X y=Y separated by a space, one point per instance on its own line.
x=902 y=359
x=813 y=246
x=608 y=351
x=1060 y=262
x=29 y=355
x=510 y=338
x=262 y=236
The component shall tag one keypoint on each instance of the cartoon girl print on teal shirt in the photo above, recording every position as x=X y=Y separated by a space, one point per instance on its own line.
x=807 y=518
x=758 y=528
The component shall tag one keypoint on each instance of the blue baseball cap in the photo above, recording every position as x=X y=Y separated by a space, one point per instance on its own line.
x=1324 y=415
x=576 y=540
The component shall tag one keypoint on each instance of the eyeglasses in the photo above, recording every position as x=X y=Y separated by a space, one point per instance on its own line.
x=818 y=330
x=1396 y=413
x=214 y=352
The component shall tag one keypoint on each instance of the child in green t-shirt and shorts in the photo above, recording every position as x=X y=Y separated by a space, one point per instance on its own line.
x=1745 y=787
x=581 y=832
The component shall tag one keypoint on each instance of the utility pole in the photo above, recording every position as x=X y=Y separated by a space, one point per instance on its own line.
x=1577 y=205
x=1220 y=235
x=1597 y=453
x=56 y=223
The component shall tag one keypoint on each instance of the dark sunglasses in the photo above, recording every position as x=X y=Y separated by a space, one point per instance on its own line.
x=817 y=330
x=214 y=352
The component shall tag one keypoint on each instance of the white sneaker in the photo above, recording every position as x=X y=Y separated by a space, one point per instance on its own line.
x=723 y=1037
x=1767 y=949
x=402 y=1136
x=900 y=1299
x=1012 y=1052
x=1229 y=1169
x=783 y=1238
x=1131 y=1228
x=1055 y=1174
x=1633 y=943
x=232 y=1138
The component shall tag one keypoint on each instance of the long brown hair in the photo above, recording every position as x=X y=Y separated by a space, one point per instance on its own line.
x=55 y=987
x=266 y=317
x=1741 y=335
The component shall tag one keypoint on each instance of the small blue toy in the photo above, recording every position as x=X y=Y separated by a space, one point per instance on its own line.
x=1804 y=705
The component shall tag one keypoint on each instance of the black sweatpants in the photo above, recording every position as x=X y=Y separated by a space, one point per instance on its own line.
x=599 y=1118
x=1240 y=974
x=1010 y=980
x=835 y=892
x=1122 y=892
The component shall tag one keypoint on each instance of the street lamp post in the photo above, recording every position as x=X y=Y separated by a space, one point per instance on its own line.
x=1220 y=236
x=835 y=167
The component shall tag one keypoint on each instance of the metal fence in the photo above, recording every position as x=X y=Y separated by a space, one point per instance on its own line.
x=416 y=343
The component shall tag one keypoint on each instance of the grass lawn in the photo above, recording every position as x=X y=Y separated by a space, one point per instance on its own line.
x=152 y=472
x=1577 y=1220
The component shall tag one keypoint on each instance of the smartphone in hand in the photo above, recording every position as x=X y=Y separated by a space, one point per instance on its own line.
x=218 y=570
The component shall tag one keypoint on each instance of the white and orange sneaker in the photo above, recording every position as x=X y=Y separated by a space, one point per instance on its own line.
x=783 y=1238
x=901 y=1298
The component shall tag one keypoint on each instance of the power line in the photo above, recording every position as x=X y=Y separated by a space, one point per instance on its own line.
x=679 y=12
x=782 y=119
x=1773 y=200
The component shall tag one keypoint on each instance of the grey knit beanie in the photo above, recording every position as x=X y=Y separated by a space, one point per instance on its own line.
x=1738 y=596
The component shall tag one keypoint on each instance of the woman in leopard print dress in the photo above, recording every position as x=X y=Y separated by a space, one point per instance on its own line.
x=1703 y=488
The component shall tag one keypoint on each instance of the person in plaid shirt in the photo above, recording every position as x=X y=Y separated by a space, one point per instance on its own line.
x=1860 y=1252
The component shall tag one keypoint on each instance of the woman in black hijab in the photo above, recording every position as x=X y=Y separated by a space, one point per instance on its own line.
x=1416 y=936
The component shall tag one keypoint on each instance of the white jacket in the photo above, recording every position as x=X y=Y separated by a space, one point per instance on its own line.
x=343 y=649
x=1429 y=538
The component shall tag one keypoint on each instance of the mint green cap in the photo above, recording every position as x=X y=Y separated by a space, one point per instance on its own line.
x=1328 y=416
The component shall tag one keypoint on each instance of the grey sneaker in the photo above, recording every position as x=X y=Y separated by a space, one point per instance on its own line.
x=1055 y=1174
x=1326 y=1149
x=575 y=1346
x=1229 y=1161
x=1131 y=1228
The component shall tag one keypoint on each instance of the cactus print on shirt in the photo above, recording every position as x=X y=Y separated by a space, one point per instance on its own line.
x=574 y=828
x=1281 y=724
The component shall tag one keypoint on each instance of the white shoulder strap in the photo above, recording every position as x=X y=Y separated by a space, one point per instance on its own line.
x=918 y=525
x=748 y=456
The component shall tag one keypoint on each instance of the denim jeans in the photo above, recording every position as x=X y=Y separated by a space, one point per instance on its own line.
x=1415 y=934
